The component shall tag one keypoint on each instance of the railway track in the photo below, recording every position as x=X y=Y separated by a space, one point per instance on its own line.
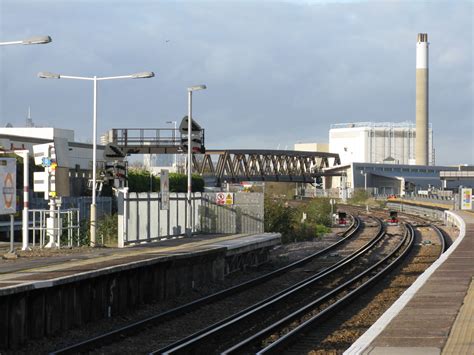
x=344 y=326
x=207 y=311
x=276 y=340
x=115 y=335
x=279 y=311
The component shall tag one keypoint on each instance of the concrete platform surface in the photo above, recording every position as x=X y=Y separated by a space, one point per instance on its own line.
x=32 y=273
x=436 y=314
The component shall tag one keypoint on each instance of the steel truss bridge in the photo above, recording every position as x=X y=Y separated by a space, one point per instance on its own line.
x=263 y=165
x=231 y=166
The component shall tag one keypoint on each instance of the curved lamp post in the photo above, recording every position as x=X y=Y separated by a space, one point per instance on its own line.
x=95 y=79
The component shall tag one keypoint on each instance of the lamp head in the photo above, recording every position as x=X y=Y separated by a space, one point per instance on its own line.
x=37 y=40
x=197 y=87
x=48 y=75
x=143 y=75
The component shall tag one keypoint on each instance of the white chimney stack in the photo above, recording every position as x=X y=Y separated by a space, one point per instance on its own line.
x=421 y=142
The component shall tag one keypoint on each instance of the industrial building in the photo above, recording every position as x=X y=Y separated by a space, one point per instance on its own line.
x=79 y=155
x=377 y=142
x=389 y=179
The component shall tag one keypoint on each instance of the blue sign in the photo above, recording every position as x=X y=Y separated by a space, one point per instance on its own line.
x=45 y=162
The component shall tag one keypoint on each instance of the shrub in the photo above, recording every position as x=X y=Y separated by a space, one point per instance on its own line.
x=139 y=180
x=282 y=218
x=359 y=196
x=107 y=230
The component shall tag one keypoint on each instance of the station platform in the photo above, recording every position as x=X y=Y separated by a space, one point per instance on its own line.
x=43 y=296
x=436 y=314
x=31 y=273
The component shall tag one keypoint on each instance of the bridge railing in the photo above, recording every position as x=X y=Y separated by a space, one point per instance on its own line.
x=145 y=136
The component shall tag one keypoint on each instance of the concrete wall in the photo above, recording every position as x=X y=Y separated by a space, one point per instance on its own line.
x=41 y=312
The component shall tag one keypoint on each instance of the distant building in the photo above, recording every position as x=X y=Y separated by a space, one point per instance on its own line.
x=312 y=147
x=370 y=142
x=79 y=155
x=387 y=179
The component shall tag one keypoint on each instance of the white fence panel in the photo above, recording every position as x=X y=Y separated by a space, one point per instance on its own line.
x=140 y=218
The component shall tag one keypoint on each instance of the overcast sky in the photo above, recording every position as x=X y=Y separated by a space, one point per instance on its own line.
x=278 y=72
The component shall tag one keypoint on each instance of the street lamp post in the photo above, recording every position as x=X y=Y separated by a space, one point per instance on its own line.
x=363 y=172
x=24 y=153
x=95 y=79
x=189 y=229
x=32 y=40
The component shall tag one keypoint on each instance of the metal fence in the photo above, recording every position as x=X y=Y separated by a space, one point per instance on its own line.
x=60 y=226
x=82 y=203
x=244 y=216
x=141 y=219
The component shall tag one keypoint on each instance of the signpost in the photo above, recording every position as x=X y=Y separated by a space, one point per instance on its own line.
x=466 y=199
x=165 y=189
x=53 y=181
x=8 y=190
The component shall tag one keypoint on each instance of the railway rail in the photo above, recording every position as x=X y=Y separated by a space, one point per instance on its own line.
x=320 y=263
x=344 y=326
x=135 y=327
x=280 y=308
x=348 y=291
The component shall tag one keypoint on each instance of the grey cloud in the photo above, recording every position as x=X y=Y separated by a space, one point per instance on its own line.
x=277 y=72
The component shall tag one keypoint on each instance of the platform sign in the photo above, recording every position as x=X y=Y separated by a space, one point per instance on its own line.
x=7 y=186
x=165 y=189
x=224 y=198
x=466 y=199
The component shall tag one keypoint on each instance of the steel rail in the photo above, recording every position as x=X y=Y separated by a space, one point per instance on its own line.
x=194 y=340
x=290 y=337
x=132 y=328
x=441 y=236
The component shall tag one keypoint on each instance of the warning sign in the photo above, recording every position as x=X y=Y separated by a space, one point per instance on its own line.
x=7 y=185
x=224 y=198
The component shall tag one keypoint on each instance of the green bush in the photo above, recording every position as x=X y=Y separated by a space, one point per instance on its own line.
x=106 y=234
x=282 y=218
x=139 y=180
x=359 y=197
x=107 y=230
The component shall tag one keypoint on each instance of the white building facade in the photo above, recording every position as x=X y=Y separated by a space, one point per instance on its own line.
x=370 y=142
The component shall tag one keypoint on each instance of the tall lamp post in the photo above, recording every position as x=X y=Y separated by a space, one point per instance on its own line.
x=95 y=79
x=363 y=172
x=189 y=229
x=24 y=153
x=32 y=40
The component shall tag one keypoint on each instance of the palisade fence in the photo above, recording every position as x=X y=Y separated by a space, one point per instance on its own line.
x=141 y=219
x=82 y=203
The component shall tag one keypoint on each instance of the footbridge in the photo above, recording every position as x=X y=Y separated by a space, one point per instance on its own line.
x=263 y=165
x=227 y=165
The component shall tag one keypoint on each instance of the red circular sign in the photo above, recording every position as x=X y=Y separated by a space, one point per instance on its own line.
x=8 y=190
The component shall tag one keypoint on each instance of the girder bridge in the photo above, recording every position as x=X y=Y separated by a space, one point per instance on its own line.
x=263 y=165
x=233 y=165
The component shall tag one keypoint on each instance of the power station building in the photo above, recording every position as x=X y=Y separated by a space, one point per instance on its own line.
x=373 y=142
